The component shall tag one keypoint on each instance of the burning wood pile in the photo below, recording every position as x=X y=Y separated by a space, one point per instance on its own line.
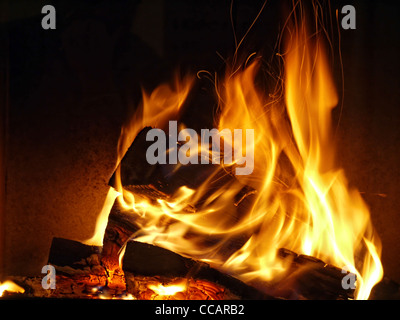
x=266 y=214
x=127 y=269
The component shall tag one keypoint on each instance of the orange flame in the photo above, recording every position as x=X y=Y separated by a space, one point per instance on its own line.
x=303 y=201
x=10 y=286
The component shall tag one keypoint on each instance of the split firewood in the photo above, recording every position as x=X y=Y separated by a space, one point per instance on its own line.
x=81 y=271
x=121 y=226
x=158 y=182
x=150 y=272
x=311 y=278
x=387 y=289
x=134 y=167
x=141 y=259
x=65 y=252
x=165 y=179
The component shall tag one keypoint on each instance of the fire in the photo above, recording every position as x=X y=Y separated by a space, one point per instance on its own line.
x=102 y=219
x=303 y=201
x=154 y=288
x=168 y=290
x=10 y=287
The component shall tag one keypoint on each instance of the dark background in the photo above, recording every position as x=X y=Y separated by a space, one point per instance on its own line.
x=66 y=93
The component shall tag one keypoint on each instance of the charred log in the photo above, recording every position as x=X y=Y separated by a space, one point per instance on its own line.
x=135 y=169
x=137 y=175
x=313 y=279
x=82 y=270
x=387 y=289
x=65 y=252
x=142 y=259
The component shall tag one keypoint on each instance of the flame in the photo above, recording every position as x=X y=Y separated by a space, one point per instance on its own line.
x=303 y=202
x=336 y=223
x=102 y=219
x=165 y=102
x=168 y=290
x=10 y=286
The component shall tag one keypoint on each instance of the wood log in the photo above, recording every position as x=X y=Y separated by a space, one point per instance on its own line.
x=306 y=278
x=123 y=224
x=81 y=270
x=387 y=289
x=134 y=167
x=141 y=259
x=155 y=182
x=120 y=227
x=165 y=179
x=65 y=252
x=313 y=279
x=144 y=265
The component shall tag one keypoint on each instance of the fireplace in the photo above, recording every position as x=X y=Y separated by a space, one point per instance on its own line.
x=80 y=193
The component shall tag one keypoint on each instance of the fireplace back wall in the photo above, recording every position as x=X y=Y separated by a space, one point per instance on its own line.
x=71 y=88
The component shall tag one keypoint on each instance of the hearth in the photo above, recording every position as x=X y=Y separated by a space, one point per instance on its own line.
x=194 y=177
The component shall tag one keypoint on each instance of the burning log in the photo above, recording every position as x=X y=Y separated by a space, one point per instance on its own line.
x=124 y=225
x=90 y=269
x=308 y=278
x=158 y=182
x=387 y=289
x=145 y=260
x=81 y=272
x=155 y=182
x=120 y=227
x=151 y=272
x=134 y=168
x=90 y=275
x=313 y=279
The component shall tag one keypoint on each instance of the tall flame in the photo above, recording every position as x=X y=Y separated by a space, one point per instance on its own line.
x=338 y=225
x=303 y=201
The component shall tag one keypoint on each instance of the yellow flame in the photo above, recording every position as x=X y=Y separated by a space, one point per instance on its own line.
x=337 y=219
x=102 y=219
x=167 y=290
x=303 y=201
x=10 y=286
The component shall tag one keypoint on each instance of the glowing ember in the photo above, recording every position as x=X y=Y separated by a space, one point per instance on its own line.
x=154 y=288
x=168 y=290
